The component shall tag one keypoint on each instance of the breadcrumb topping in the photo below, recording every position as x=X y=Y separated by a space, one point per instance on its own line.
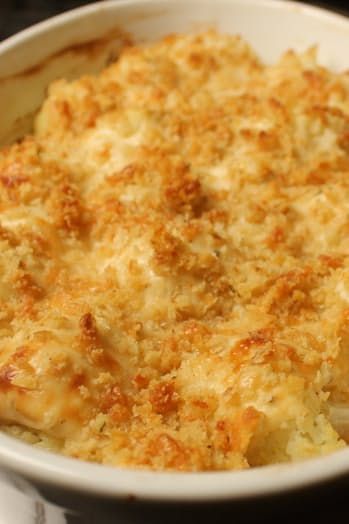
x=174 y=260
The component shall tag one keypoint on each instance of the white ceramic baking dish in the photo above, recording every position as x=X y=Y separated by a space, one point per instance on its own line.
x=83 y=40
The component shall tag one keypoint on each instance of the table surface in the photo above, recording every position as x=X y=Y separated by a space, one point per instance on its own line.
x=18 y=14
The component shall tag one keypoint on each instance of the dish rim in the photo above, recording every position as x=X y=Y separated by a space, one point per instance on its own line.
x=119 y=483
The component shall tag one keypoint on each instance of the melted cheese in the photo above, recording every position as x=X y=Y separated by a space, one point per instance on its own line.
x=174 y=260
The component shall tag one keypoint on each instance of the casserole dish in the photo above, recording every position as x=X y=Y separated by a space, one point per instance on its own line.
x=83 y=41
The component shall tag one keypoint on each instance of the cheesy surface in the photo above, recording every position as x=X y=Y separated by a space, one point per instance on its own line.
x=174 y=288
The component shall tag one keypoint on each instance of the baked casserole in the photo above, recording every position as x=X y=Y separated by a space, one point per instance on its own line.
x=174 y=289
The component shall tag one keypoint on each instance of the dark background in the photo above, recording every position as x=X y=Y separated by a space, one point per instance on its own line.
x=18 y=14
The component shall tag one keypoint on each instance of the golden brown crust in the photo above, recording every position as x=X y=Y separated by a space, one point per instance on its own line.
x=174 y=260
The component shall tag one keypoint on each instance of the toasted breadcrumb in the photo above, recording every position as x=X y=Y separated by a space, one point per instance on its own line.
x=174 y=260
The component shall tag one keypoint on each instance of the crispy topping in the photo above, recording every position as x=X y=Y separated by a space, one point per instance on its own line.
x=174 y=260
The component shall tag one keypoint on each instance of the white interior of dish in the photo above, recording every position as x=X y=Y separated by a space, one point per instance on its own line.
x=271 y=26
